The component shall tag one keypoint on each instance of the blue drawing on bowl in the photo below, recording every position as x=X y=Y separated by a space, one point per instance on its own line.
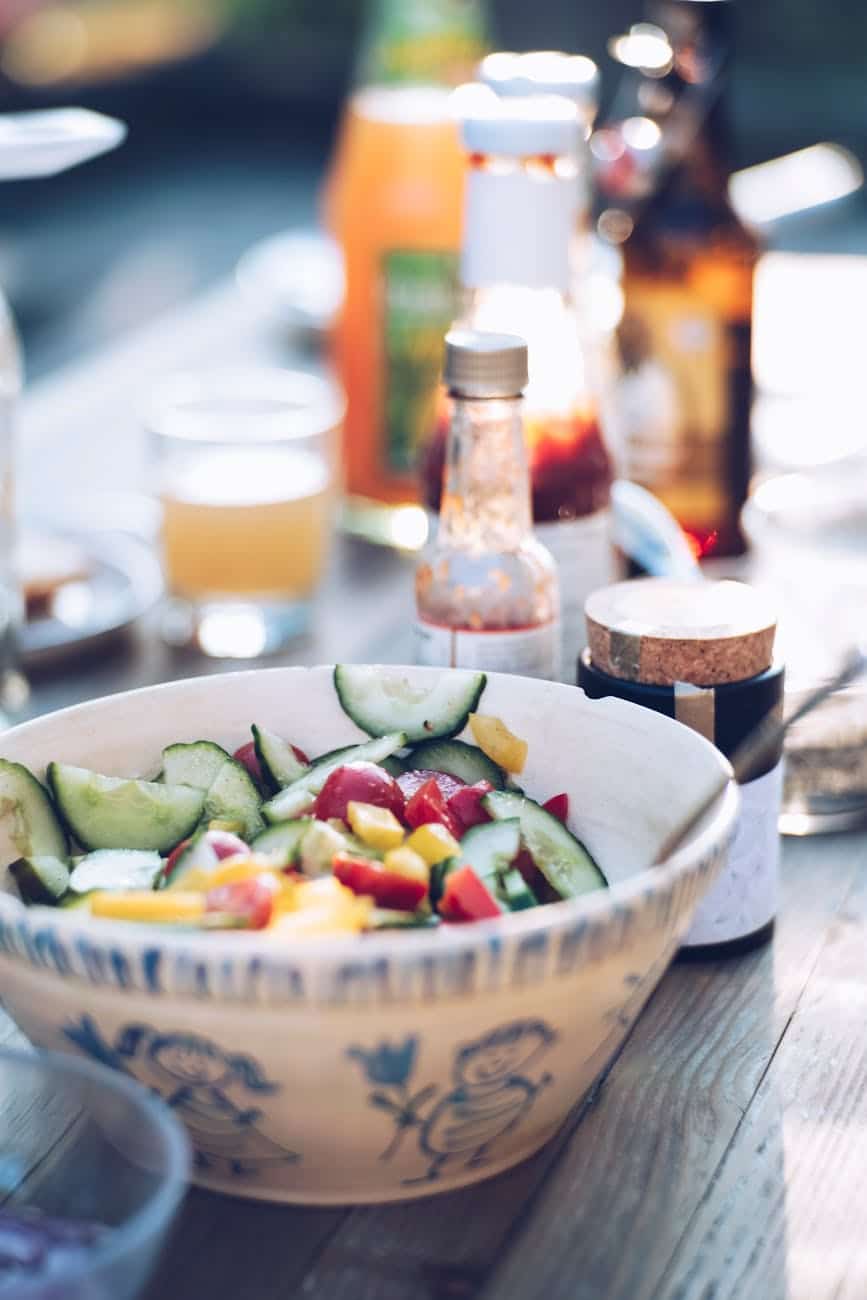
x=490 y=1094
x=200 y=1081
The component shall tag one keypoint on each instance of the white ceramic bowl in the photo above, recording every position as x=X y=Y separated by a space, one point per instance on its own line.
x=379 y=1067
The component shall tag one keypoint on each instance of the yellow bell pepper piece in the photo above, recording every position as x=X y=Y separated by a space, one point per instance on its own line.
x=406 y=862
x=495 y=739
x=145 y=905
x=319 y=908
x=433 y=843
x=377 y=827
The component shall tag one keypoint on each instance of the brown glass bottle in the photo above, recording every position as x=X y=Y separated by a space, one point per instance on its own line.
x=685 y=338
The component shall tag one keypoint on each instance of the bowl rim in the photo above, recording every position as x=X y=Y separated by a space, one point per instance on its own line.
x=157 y=1212
x=330 y=952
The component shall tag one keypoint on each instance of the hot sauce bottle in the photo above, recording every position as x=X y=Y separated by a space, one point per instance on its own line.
x=487 y=593
x=520 y=209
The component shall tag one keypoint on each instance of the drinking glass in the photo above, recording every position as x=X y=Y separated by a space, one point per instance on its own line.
x=245 y=465
x=92 y=1170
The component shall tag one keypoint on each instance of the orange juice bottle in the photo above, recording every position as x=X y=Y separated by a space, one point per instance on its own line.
x=394 y=200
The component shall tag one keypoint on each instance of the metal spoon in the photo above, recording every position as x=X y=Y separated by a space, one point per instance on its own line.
x=755 y=750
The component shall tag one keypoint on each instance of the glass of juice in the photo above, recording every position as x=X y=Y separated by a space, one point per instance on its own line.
x=245 y=467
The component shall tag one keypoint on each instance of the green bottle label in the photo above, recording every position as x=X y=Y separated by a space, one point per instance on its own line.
x=424 y=42
x=421 y=297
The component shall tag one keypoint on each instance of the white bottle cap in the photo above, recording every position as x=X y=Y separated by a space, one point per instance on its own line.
x=479 y=364
x=517 y=127
x=544 y=72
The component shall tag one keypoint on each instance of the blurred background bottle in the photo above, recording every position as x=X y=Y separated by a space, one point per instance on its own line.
x=393 y=200
x=663 y=166
x=516 y=277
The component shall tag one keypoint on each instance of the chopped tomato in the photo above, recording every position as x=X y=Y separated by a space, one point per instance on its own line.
x=467 y=898
x=413 y=780
x=558 y=806
x=250 y=759
x=428 y=805
x=247 y=756
x=358 y=783
x=466 y=804
x=392 y=889
x=251 y=901
x=172 y=859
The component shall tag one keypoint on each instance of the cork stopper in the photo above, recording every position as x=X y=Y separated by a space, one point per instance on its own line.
x=659 y=631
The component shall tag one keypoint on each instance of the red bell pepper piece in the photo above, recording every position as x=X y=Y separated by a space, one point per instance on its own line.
x=388 y=889
x=251 y=901
x=467 y=898
x=428 y=805
x=558 y=806
x=466 y=804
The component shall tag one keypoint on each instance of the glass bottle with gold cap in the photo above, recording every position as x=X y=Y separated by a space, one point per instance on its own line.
x=487 y=594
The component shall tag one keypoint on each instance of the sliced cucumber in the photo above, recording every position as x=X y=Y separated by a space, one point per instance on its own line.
x=382 y=918
x=393 y=765
x=318 y=847
x=513 y=890
x=197 y=764
x=27 y=814
x=75 y=902
x=197 y=856
x=380 y=700
x=110 y=812
x=115 y=870
x=438 y=874
x=563 y=860
x=282 y=842
x=232 y=796
x=491 y=850
x=276 y=758
x=42 y=879
x=297 y=797
x=459 y=759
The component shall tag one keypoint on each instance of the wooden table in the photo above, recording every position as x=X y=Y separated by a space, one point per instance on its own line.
x=724 y=1154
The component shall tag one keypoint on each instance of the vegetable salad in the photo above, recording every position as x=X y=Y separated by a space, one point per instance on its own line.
x=412 y=828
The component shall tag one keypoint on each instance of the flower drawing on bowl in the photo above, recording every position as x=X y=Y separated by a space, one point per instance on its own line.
x=490 y=1093
x=205 y=1085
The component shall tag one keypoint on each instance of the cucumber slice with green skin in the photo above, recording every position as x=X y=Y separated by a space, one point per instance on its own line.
x=115 y=870
x=438 y=874
x=111 y=812
x=563 y=860
x=232 y=796
x=382 y=918
x=283 y=842
x=459 y=759
x=297 y=797
x=490 y=849
x=27 y=815
x=197 y=764
x=379 y=701
x=42 y=879
x=394 y=766
x=276 y=758
x=197 y=856
x=513 y=890
x=75 y=902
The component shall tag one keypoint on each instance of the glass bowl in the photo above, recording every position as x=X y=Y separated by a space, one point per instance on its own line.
x=92 y=1169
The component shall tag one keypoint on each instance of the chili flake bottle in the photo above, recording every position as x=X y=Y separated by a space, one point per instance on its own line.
x=519 y=218
x=487 y=594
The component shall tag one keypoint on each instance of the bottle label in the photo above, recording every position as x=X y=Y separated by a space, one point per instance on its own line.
x=420 y=292
x=586 y=560
x=529 y=652
x=684 y=402
x=744 y=897
x=434 y=42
